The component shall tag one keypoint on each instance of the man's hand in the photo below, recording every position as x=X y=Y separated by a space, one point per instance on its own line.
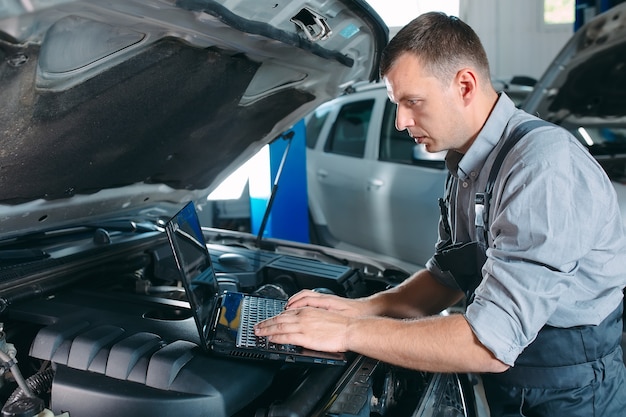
x=313 y=328
x=345 y=306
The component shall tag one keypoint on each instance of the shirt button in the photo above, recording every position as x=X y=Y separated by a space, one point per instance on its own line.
x=473 y=174
x=465 y=184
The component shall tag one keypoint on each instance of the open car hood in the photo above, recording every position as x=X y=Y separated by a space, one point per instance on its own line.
x=112 y=107
x=585 y=82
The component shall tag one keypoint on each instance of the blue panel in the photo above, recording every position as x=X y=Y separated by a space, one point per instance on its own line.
x=585 y=9
x=289 y=215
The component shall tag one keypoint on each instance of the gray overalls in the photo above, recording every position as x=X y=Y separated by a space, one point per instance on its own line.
x=576 y=371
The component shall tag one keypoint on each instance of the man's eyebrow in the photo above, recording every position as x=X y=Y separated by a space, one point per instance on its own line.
x=403 y=97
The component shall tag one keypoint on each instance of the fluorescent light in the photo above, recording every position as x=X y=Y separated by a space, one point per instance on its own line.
x=583 y=132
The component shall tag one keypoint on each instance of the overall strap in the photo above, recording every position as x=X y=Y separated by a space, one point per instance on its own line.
x=483 y=200
x=443 y=208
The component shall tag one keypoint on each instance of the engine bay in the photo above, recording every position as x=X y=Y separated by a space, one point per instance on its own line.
x=118 y=337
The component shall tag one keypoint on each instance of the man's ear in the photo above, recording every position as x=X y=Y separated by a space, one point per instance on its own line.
x=467 y=83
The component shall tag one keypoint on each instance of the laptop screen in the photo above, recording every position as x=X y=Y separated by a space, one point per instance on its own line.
x=194 y=263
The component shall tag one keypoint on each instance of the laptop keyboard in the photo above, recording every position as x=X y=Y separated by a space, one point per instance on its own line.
x=254 y=310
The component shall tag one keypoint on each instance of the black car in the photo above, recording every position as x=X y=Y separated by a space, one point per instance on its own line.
x=113 y=115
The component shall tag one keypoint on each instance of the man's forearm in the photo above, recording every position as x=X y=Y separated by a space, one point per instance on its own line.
x=418 y=296
x=434 y=344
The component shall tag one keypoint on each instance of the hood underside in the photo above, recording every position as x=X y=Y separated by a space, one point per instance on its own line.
x=168 y=115
x=586 y=81
x=160 y=100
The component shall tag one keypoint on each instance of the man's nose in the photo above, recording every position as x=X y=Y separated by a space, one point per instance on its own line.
x=403 y=119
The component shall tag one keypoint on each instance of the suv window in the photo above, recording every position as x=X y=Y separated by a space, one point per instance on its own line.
x=395 y=146
x=349 y=132
x=314 y=124
x=398 y=147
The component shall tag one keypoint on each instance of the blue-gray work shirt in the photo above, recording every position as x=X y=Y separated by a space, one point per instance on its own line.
x=557 y=249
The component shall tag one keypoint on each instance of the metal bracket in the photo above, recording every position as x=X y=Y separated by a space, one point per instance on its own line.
x=312 y=24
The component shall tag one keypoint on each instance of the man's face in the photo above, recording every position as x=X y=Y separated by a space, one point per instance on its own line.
x=431 y=111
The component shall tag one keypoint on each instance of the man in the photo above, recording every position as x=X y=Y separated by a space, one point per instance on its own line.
x=543 y=321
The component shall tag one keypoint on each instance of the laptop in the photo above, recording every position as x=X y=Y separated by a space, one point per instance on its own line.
x=225 y=319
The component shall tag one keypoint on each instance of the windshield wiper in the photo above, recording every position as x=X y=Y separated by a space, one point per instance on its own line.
x=99 y=231
x=16 y=256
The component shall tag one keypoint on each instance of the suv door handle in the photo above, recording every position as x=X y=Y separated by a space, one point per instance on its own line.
x=322 y=174
x=374 y=184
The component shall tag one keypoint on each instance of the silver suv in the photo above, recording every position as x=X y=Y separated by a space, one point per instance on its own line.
x=371 y=188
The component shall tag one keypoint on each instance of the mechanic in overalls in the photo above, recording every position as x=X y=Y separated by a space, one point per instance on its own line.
x=531 y=238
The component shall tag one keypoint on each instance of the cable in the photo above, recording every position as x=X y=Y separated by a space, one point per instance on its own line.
x=17 y=375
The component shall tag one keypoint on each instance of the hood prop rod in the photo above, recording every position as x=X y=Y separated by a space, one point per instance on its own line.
x=259 y=239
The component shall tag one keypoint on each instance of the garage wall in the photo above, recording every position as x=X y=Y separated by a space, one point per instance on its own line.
x=514 y=35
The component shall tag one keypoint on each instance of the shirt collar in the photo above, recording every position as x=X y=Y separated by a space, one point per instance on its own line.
x=467 y=165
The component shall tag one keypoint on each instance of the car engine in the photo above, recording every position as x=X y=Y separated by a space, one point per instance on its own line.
x=103 y=328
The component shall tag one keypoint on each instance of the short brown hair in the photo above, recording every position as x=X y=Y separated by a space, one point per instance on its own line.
x=445 y=44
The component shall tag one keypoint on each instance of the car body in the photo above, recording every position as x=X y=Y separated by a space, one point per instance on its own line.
x=113 y=115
